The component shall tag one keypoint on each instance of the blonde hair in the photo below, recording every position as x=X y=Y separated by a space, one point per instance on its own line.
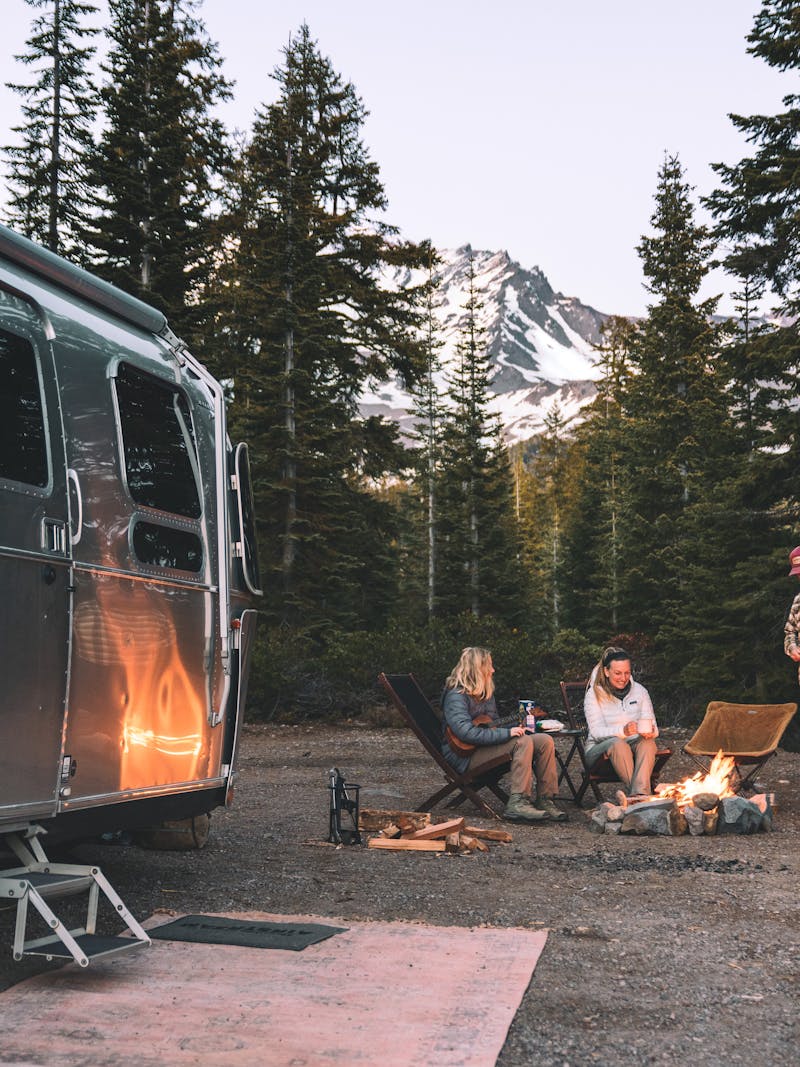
x=601 y=684
x=473 y=673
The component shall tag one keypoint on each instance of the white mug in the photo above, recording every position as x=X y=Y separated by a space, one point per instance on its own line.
x=646 y=726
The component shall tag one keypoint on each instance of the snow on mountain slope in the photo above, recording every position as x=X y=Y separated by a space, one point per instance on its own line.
x=541 y=343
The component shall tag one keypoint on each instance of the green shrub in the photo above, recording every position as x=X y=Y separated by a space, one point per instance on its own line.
x=295 y=677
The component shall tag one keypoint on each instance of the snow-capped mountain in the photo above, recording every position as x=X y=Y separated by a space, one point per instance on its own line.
x=541 y=343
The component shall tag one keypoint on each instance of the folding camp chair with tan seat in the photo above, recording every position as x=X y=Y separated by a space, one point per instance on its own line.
x=602 y=770
x=748 y=733
x=418 y=712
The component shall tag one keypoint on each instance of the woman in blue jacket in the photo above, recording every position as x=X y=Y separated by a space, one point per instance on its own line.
x=469 y=696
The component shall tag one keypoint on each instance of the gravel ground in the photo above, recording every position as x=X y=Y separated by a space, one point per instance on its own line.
x=660 y=949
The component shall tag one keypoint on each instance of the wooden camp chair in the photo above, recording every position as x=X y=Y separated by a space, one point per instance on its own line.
x=418 y=712
x=602 y=771
x=748 y=733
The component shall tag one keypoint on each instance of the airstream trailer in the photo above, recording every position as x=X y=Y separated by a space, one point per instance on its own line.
x=128 y=568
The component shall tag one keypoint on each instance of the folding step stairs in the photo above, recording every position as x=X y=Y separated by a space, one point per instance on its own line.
x=37 y=881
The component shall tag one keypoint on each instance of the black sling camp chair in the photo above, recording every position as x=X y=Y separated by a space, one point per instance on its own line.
x=418 y=712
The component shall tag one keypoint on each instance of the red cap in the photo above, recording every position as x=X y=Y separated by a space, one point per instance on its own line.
x=794 y=560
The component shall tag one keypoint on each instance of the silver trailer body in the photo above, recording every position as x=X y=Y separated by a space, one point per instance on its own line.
x=127 y=559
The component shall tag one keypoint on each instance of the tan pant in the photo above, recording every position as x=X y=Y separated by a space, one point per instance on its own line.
x=632 y=760
x=529 y=753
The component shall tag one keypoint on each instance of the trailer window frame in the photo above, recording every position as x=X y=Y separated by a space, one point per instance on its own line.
x=248 y=545
x=158 y=498
x=42 y=488
x=171 y=534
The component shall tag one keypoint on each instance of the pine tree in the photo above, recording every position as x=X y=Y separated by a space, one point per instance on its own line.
x=157 y=163
x=480 y=551
x=429 y=415
x=759 y=202
x=594 y=537
x=49 y=197
x=679 y=449
x=307 y=322
x=757 y=209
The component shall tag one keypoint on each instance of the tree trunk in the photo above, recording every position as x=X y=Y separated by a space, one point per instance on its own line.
x=55 y=134
x=290 y=425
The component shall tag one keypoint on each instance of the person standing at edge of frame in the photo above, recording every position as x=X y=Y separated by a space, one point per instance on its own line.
x=791 y=629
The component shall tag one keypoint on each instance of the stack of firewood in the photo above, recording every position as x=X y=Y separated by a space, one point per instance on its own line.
x=413 y=831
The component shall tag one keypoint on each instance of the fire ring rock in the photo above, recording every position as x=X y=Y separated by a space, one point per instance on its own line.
x=705 y=801
x=739 y=816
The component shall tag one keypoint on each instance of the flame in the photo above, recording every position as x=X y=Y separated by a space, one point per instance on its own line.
x=716 y=780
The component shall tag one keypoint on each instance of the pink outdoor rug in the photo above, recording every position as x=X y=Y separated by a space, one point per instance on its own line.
x=387 y=994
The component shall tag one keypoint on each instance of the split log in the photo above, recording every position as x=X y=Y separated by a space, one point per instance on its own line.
x=472 y=844
x=406 y=844
x=710 y=821
x=452 y=842
x=372 y=819
x=489 y=835
x=438 y=830
x=391 y=831
x=677 y=822
x=475 y=844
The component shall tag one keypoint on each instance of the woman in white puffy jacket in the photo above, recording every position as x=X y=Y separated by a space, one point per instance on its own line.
x=621 y=721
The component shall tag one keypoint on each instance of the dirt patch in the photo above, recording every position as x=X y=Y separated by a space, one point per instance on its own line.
x=660 y=948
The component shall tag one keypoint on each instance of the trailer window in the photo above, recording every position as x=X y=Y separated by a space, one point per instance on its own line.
x=160 y=456
x=23 y=445
x=164 y=546
x=247 y=520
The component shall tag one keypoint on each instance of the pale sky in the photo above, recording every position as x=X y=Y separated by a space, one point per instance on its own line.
x=533 y=126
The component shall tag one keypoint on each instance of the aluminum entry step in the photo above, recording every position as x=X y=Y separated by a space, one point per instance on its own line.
x=38 y=881
x=46 y=883
x=92 y=947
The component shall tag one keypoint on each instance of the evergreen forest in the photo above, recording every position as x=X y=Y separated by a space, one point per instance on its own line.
x=663 y=522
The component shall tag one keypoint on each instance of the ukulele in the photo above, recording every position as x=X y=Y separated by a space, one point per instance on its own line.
x=465 y=748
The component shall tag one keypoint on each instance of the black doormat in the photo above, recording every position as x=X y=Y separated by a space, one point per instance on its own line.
x=249 y=933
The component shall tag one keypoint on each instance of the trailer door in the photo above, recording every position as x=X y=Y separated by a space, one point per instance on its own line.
x=34 y=567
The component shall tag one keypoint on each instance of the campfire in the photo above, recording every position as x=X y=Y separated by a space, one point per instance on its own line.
x=716 y=782
x=705 y=803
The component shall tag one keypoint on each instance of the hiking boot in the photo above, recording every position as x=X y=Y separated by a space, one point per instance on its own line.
x=549 y=805
x=520 y=809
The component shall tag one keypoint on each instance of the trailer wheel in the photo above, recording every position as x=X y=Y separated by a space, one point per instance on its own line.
x=176 y=835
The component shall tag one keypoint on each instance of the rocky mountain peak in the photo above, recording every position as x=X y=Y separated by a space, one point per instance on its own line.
x=541 y=343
